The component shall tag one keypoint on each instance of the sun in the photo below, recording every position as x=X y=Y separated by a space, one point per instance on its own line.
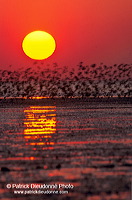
x=38 y=45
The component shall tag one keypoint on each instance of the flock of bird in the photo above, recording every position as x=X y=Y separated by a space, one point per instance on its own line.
x=83 y=81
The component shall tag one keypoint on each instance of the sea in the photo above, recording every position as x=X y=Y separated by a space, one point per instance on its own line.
x=66 y=149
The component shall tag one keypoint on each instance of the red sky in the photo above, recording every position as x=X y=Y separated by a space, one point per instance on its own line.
x=92 y=31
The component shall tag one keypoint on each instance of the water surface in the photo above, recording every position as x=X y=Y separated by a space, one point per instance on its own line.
x=81 y=143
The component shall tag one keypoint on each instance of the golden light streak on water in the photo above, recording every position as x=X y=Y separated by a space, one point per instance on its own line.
x=40 y=124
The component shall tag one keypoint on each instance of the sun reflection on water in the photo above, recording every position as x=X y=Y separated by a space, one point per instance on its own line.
x=40 y=125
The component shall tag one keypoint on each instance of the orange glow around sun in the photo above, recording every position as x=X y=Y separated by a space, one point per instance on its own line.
x=38 y=45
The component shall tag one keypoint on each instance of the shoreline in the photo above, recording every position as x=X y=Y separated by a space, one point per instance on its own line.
x=57 y=101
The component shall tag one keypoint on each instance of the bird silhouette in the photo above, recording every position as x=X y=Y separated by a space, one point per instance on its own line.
x=85 y=81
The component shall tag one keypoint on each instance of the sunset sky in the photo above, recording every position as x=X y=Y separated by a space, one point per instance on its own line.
x=91 y=31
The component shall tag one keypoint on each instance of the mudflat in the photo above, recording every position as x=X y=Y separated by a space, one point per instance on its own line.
x=66 y=149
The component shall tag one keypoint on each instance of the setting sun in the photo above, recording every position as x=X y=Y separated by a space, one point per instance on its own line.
x=38 y=45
